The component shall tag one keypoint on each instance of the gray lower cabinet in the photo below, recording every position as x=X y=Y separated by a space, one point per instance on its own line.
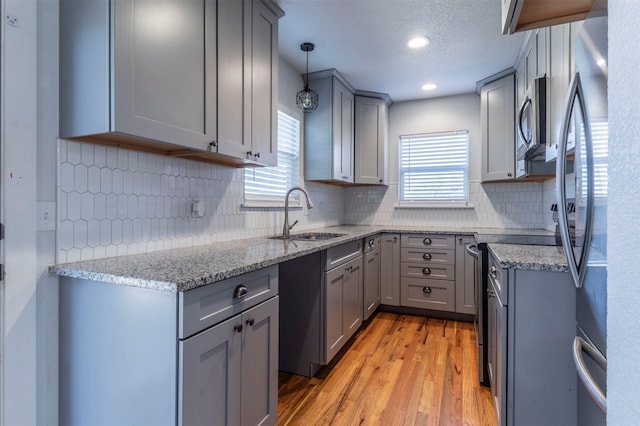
x=141 y=356
x=465 y=276
x=371 y=281
x=390 y=269
x=344 y=305
x=427 y=269
x=531 y=327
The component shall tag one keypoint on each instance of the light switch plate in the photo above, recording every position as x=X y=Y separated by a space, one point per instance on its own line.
x=46 y=215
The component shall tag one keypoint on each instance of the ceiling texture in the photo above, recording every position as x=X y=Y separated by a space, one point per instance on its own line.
x=366 y=41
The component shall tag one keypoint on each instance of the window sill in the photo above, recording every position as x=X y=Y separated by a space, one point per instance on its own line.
x=256 y=204
x=433 y=206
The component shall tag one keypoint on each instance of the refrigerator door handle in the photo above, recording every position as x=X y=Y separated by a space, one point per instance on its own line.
x=578 y=270
x=579 y=346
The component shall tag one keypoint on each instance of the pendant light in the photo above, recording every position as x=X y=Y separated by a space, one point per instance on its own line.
x=307 y=99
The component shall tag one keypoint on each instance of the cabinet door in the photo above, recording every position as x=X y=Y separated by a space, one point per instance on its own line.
x=260 y=364
x=209 y=374
x=465 y=277
x=335 y=332
x=234 y=46
x=165 y=71
x=390 y=269
x=264 y=85
x=353 y=296
x=370 y=276
x=498 y=124
x=559 y=80
x=342 y=132
x=370 y=140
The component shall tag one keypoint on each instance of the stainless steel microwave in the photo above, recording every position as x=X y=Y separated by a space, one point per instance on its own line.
x=531 y=122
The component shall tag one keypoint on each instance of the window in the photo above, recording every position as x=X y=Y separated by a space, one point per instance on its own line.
x=268 y=185
x=434 y=168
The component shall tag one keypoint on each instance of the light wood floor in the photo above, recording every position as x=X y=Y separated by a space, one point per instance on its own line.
x=400 y=370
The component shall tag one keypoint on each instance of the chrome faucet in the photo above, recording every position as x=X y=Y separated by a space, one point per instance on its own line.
x=287 y=228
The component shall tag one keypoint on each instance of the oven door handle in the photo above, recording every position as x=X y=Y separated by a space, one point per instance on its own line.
x=472 y=249
x=579 y=346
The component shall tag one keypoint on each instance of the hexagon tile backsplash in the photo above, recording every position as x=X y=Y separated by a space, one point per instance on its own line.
x=114 y=201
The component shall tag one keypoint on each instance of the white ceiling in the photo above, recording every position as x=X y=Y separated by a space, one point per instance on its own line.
x=365 y=40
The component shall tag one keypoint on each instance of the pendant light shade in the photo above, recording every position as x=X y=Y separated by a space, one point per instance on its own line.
x=307 y=99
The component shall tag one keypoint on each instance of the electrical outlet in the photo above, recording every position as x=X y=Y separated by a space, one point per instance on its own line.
x=46 y=216
x=12 y=20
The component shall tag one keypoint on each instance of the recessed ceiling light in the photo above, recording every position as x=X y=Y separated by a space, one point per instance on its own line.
x=429 y=86
x=418 y=42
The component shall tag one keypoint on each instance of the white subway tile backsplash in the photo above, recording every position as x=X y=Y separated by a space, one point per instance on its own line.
x=114 y=201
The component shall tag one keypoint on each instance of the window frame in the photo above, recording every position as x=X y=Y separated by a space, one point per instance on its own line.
x=255 y=200
x=434 y=203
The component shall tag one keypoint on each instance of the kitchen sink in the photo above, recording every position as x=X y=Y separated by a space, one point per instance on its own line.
x=311 y=236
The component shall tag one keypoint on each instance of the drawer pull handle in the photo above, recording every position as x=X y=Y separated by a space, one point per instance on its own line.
x=493 y=271
x=426 y=256
x=238 y=328
x=240 y=292
x=426 y=290
x=426 y=271
x=426 y=241
x=250 y=322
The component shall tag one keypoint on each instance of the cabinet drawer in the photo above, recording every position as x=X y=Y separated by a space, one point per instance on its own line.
x=428 y=240
x=427 y=294
x=205 y=306
x=428 y=255
x=499 y=278
x=434 y=272
x=343 y=253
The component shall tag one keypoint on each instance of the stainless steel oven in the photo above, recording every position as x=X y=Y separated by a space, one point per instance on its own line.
x=480 y=253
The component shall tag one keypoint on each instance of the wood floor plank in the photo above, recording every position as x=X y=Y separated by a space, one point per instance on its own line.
x=399 y=370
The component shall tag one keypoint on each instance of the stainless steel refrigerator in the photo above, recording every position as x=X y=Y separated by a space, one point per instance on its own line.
x=582 y=190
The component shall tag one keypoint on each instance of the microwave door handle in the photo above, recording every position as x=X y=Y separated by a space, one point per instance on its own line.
x=579 y=346
x=523 y=107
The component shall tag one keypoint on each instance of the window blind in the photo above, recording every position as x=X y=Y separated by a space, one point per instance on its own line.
x=434 y=167
x=271 y=183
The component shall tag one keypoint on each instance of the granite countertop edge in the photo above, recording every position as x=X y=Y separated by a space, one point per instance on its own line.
x=530 y=257
x=183 y=269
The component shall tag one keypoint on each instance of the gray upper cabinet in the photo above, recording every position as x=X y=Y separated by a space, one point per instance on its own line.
x=329 y=131
x=560 y=72
x=247 y=114
x=498 y=129
x=371 y=137
x=144 y=75
x=126 y=74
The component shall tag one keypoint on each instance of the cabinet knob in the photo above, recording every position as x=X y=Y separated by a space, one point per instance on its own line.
x=426 y=271
x=426 y=290
x=249 y=155
x=240 y=292
x=257 y=155
x=250 y=322
x=238 y=328
x=426 y=256
x=213 y=144
x=426 y=241
x=380 y=180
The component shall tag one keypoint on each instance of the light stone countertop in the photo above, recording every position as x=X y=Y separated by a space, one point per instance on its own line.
x=183 y=269
x=531 y=257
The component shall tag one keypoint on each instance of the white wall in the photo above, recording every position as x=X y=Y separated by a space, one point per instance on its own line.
x=19 y=133
x=501 y=205
x=623 y=301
